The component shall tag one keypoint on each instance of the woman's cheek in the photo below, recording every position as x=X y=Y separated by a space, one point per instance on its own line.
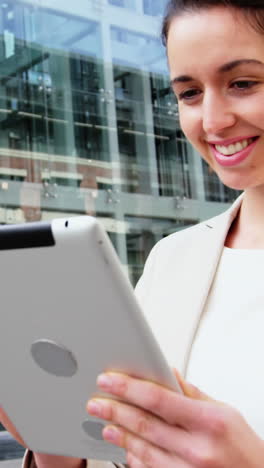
x=192 y=128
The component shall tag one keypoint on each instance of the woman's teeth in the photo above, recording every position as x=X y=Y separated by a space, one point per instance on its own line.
x=232 y=149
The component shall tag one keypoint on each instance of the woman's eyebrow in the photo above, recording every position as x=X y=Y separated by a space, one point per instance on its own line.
x=227 y=67
x=237 y=63
x=181 y=79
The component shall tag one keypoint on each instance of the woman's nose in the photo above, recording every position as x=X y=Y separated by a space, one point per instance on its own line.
x=217 y=115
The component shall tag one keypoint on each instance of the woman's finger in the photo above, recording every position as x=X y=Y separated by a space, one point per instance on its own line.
x=193 y=392
x=145 y=425
x=134 y=462
x=172 y=407
x=143 y=454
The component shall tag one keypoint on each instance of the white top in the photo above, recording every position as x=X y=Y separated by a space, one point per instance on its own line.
x=228 y=353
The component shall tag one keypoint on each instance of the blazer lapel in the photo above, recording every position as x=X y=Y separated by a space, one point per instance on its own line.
x=199 y=270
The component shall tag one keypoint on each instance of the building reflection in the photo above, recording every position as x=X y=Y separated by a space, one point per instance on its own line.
x=88 y=124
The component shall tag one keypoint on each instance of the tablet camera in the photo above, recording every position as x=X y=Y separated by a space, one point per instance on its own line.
x=54 y=358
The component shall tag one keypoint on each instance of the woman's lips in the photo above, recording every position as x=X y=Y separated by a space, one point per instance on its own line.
x=234 y=159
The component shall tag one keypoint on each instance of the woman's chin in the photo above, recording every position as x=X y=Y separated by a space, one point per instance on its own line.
x=236 y=181
x=236 y=185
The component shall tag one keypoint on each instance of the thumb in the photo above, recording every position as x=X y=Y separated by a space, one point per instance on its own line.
x=191 y=391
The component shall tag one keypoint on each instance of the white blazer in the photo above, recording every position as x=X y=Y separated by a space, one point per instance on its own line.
x=176 y=280
x=174 y=287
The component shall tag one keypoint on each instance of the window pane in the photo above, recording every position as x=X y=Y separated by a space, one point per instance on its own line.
x=130 y=4
x=154 y=7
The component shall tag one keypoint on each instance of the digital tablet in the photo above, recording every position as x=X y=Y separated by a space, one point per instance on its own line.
x=68 y=313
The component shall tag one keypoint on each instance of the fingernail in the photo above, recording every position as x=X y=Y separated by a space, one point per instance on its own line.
x=111 y=434
x=94 y=407
x=104 y=381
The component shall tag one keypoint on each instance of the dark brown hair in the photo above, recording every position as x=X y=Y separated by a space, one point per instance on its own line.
x=253 y=10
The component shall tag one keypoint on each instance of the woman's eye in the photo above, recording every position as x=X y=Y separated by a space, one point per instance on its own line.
x=189 y=94
x=243 y=84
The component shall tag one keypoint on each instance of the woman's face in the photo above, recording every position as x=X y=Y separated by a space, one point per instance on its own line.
x=216 y=63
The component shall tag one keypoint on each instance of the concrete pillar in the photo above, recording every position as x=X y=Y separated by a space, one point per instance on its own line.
x=139 y=6
x=114 y=199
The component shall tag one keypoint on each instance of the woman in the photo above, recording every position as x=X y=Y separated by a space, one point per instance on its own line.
x=207 y=280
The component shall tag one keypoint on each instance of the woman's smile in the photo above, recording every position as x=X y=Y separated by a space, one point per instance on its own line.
x=232 y=146
x=234 y=154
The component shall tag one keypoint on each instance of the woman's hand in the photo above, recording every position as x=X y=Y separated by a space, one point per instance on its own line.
x=161 y=428
x=4 y=419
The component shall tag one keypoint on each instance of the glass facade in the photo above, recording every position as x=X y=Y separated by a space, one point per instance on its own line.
x=89 y=124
